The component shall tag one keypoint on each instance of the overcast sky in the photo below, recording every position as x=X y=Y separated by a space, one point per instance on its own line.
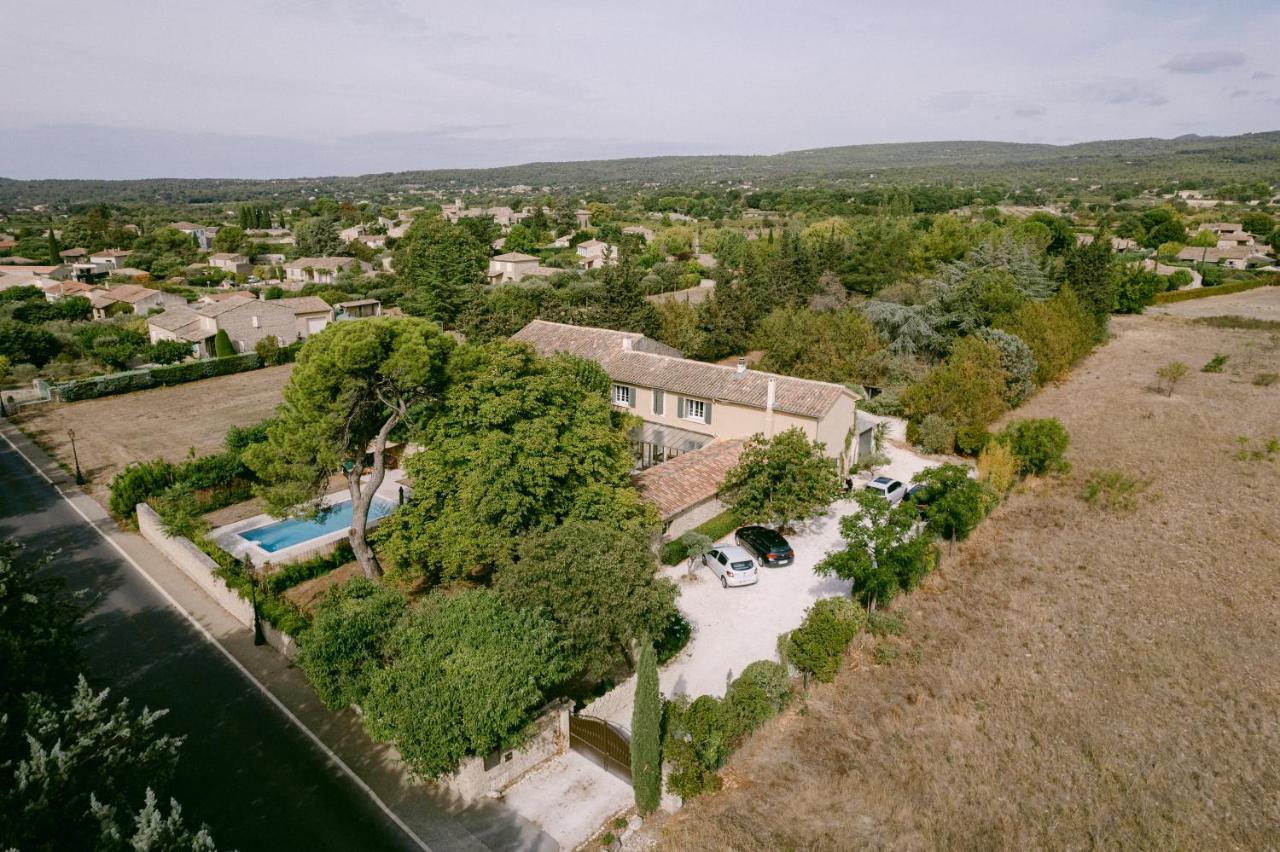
x=284 y=88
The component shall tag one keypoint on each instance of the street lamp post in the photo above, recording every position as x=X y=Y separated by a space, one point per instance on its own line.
x=258 y=637
x=71 y=433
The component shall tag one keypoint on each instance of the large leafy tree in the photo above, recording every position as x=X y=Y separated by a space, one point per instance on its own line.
x=520 y=445
x=317 y=236
x=954 y=503
x=464 y=674
x=437 y=262
x=883 y=555
x=352 y=385
x=1091 y=272
x=968 y=389
x=781 y=479
x=596 y=583
x=830 y=346
x=343 y=647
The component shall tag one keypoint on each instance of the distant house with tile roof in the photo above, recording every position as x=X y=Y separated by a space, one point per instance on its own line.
x=513 y=266
x=317 y=270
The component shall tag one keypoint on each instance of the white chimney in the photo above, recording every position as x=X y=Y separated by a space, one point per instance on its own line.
x=742 y=365
x=256 y=324
x=626 y=344
x=769 y=397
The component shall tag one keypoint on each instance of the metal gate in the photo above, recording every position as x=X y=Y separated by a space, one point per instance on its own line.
x=601 y=742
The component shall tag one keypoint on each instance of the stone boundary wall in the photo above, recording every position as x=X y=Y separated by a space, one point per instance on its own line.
x=199 y=568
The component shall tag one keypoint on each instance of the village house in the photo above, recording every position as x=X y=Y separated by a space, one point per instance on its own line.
x=109 y=260
x=357 y=309
x=73 y=255
x=55 y=290
x=245 y=319
x=312 y=313
x=271 y=236
x=583 y=216
x=232 y=264
x=202 y=234
x=593 y=254
x=317 y=270
x=1234 y=257
x=693 y=412
x=130 y=298
x=641 y=231
x=513 y=266
x=24 y=275
x=1229 y=234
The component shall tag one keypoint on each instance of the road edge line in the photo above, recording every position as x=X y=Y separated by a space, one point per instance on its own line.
x=209 y=637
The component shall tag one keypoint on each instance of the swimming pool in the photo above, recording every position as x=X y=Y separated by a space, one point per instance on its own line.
x=281 y=534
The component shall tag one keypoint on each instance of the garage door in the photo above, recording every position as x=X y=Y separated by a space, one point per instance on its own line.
x=316 y=325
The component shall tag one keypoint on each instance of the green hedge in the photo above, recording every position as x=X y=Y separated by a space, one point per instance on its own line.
x=294 y=573
x=673 y=552
x=274 y=608
x=136 y=380
x=817 y=646
x=1205 y=292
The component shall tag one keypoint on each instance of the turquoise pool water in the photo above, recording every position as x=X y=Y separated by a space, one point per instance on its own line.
x=291 y=531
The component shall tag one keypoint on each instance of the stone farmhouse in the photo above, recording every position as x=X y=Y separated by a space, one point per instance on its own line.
x=696 y=415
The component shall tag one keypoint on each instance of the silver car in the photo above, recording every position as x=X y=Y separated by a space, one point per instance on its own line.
x=890 y=489
x=733 y=565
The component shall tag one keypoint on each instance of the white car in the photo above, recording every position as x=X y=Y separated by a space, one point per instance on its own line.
x=732 y=564
x=890 y=489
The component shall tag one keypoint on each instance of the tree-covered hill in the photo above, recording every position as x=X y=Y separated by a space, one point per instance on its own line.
x=1190 y=159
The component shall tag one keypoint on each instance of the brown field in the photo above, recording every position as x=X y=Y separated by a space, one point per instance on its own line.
x=160 y=423
x=1070 y=677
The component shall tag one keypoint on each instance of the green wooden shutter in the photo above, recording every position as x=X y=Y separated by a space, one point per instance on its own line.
x=657 y=401
x=680 y=407
x=706 y=412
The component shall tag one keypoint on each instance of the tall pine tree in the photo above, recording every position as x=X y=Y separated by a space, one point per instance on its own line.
x=646 y=724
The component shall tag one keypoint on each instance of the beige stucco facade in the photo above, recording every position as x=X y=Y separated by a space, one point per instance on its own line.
x=731 y=420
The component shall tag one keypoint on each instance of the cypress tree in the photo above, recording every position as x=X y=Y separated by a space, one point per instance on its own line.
x=54 y=257
x=222 y=344
x=646 y=723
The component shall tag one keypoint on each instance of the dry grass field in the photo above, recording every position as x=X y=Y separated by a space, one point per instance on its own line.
x=159 y=423
x=1071 y=677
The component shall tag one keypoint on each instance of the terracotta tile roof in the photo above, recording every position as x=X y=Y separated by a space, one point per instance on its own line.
x=550 y=338
x=319 y=263
x=688 y=479
x=516 y=257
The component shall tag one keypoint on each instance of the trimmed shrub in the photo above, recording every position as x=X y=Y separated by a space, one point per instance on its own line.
x=135 y=380
x=673 y=552
x=1039 y=445
x=758 y=694
x=288 y=576
x=972 y=438
x=138 y=483
x=1178 y=278
x=1209 y=290
x=818 y=644
x=268 y=349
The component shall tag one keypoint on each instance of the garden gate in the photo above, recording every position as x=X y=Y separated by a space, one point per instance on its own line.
x=602 y=743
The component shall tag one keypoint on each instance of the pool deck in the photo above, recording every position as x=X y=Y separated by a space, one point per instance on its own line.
x=229 y=539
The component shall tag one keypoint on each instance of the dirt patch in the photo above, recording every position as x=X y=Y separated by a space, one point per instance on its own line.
x=160 y=423
x=304 y=595
x=1070 y=677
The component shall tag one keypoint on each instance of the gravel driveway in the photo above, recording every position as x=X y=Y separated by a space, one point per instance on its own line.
x=737 y=626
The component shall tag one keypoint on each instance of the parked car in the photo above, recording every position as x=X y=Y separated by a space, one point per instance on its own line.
x=918 y=493
x=768 y=546
x=732 y=565
x=890 y=489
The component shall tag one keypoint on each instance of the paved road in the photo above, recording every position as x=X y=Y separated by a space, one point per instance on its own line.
x=245 y=770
